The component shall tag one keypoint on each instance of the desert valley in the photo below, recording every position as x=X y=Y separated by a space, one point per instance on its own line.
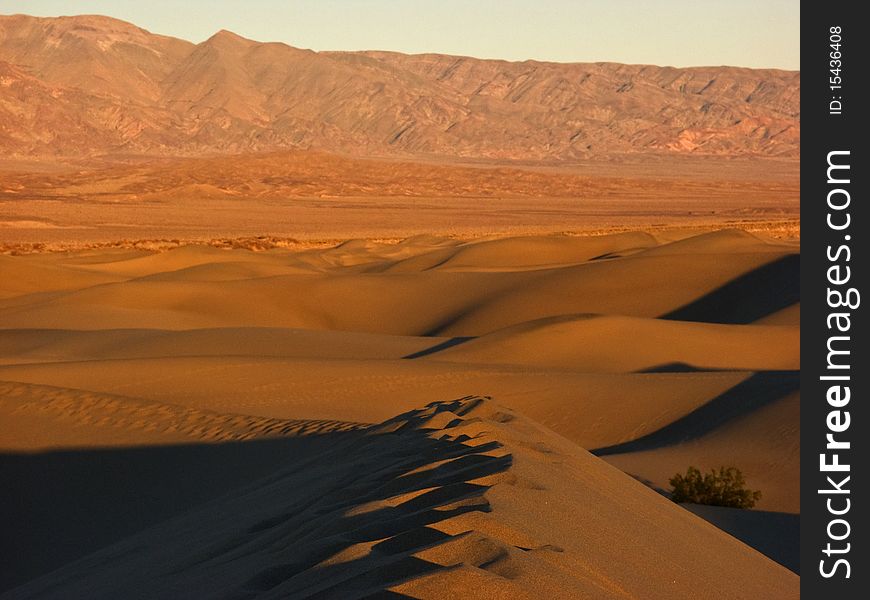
x=277 y=323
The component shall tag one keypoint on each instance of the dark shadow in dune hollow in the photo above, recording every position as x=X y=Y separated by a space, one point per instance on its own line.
x=454 y=341
x=757 y=391
x=748 y=298
x=280 y=531
x=774 y=534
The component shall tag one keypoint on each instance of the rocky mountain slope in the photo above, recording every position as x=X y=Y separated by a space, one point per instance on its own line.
x=93 y=85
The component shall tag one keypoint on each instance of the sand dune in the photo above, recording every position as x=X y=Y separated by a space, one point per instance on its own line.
x=586 y=343
x=653 y=351
x=469 y=302
x=433 y=503
x=40 y=345
x=596 y=343
x=279 y=323
x=775 y=534
x=605 y=407
x=20 y=278
x=518 y=254
x=112 y=465
x=764 y=426
x=94 y=416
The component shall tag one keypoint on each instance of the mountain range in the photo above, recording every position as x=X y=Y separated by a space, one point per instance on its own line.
x=88 y=86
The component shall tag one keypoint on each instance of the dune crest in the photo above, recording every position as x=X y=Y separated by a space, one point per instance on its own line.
x=137 y=420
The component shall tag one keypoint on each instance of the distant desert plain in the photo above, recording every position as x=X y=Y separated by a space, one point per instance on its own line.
x=277 y=323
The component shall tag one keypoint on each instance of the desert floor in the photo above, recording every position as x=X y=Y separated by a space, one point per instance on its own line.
x=420 y=417
x=303 y=199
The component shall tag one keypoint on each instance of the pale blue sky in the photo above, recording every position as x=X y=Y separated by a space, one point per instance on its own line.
x=752 y=33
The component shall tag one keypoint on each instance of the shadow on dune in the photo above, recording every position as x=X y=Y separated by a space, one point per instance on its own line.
x=60 y=505
x=757 y=391
x=425 y=479
x=748 y=298
x=373 y=497
x=676 y=367
x=774 y=534
x=607 y=256
x=454 y=341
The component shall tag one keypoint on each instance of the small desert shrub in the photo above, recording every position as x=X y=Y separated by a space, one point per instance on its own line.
x=724 y=487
